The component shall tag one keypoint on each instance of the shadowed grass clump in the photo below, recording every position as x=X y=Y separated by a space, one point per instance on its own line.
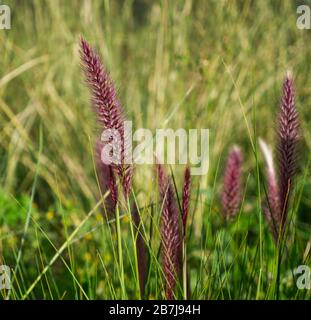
x=141 y=249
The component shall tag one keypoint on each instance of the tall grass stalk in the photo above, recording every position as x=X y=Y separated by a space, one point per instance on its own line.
x=134 y=235
x=62 y=248
x=120 y=253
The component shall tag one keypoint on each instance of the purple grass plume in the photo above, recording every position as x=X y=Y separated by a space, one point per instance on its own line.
x=184 y=214
x=107 y=108
x=271 y=207
x=170 y=236
x=287 y=132
x=186 y=198
x=279 y=186
x=231 y=192
x=106 y=179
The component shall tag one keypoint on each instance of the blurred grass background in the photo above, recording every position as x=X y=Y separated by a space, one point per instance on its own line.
x=190 y=64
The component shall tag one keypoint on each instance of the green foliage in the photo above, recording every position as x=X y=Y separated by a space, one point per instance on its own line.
x=191 y=64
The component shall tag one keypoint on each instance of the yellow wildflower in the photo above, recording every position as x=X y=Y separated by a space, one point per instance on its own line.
x=50 y=215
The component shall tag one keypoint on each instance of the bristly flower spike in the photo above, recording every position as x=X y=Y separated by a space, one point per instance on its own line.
x=272 y=206
x=231 y=192
x=107 y=179
x=288 y=126
x=107 y=107
x=170 y=236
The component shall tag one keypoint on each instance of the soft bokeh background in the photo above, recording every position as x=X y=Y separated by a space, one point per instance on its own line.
x=191 y=64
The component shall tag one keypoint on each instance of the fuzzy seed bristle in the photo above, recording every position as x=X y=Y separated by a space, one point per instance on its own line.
x=107 y=108
x=288 y=126
x=231 y=193
x=272 y=205
x=170 y=235
x=106 y=179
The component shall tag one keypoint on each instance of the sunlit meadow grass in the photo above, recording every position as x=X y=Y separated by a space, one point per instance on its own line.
x=190 y=64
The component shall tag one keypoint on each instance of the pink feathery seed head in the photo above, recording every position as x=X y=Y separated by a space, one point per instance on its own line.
x=162 y=179
x=104 y=98
x=170 y=236
x=288 y=126
x=127 y=180
x=106 y=179
x=186 y=197
x=107 y=107
x=231 y=192
x=271 y=207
